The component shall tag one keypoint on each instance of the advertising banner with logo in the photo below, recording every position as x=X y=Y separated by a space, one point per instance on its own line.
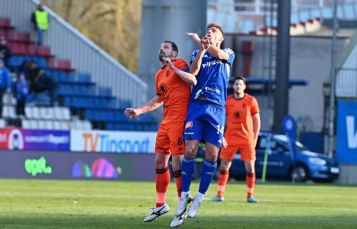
x=346 y=145
x=115 y=142
x=76 y=165
x=21 y=139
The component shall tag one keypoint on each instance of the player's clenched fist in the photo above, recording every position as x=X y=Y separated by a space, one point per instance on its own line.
x=131 y=112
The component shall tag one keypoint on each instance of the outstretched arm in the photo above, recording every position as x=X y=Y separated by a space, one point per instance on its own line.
x=184 y=76
x=195 y=38
x=151 y=105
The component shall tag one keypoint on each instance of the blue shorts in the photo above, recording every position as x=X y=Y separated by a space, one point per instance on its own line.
x=205 y=122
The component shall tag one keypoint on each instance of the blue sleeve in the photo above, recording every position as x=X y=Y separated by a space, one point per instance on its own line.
x=185 y=69
x=231 y=55
x=193 y=56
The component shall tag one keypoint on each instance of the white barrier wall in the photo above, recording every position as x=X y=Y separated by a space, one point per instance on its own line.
x=113 y=142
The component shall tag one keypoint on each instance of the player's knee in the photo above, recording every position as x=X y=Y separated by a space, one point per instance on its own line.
x=225 y=165
x=211 y=156
x=176 y=164
x=160 y=164
x=190 y=152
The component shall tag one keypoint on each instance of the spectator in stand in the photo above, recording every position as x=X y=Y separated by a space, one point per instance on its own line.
x=21 y=90
x=25 y=68
x=39 y=18
x=5 y=82
x=41 y=82
x=5 y=51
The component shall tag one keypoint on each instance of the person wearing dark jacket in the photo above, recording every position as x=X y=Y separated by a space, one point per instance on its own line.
x=5 y=51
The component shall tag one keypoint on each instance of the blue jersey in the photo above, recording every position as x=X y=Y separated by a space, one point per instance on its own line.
x=213 y=77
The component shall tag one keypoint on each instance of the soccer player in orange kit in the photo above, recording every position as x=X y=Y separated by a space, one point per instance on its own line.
x=173 y=92
x=243 y=125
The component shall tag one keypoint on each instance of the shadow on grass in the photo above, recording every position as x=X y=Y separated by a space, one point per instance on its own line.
x=200 y=222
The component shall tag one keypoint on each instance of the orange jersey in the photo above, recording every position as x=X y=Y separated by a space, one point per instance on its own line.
x=239 y=119
x=174 y=93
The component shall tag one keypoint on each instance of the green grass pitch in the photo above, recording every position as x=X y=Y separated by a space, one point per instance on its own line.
x=123 y=204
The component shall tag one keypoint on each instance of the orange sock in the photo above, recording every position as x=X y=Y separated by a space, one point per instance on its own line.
x=177 y=175
x=162 y=184
x=250 y=182
x=222 y=181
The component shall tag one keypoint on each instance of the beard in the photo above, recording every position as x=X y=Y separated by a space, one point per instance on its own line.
x=161 y=56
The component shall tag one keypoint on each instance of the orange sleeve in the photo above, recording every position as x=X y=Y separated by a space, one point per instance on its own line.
x=157 y=89
x=180 y=64
x=254 y=107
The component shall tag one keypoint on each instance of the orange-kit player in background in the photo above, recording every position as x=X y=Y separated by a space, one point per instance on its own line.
x=242 y=129
x=173 y=92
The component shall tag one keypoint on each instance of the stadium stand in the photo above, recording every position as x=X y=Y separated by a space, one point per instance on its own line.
x=81 y=103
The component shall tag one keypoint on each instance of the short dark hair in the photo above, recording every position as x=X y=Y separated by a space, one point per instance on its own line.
x=240 y=78
x=174 y=46
x=214 y=25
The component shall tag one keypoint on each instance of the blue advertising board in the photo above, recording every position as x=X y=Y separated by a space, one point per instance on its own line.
x=346 y=139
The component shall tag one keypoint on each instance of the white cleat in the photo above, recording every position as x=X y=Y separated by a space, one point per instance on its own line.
x=156 y=212
x=177 y=221
x=192 y=211
x=182 y=206
x=181 y=211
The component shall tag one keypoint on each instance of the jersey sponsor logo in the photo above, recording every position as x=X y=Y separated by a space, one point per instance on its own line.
x=189 y=124
x=211 y=63
x=212 y=89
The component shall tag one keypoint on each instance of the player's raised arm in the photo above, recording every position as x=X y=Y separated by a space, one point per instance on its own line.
x=184 y=76
x=195 y=38
x=196 y=64
x=150 y=105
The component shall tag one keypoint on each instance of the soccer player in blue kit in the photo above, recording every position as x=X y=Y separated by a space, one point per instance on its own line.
x=205 y=116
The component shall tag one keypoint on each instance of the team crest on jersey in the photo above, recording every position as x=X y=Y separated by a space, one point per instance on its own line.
x=189 y=124
x=163 y=88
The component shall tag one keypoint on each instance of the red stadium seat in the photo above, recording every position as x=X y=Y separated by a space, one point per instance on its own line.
x=11 y=36
x=32 y=49
x=64 y=64
x=5 y=22
x=2 y=33
x=52 y=62
x=23 y=37
x=18 y=48
x=44 y=51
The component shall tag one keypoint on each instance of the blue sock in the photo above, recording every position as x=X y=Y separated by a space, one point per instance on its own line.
x=208 y=170
x=187 y=169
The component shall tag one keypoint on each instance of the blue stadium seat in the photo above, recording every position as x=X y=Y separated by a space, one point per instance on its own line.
x=16 y=61
x=84 y=77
